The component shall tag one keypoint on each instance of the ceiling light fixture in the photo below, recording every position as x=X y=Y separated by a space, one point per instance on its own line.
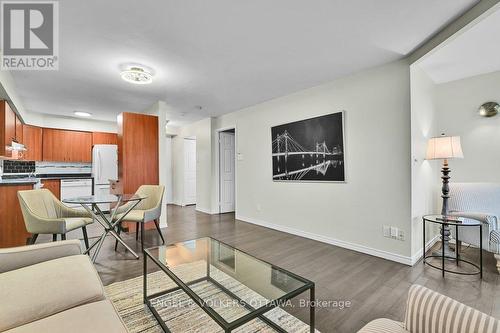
x=83 y=114
x=137 y=75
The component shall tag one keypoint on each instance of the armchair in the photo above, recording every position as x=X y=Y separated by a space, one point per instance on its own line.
x=429 y=311
x=44 y=214
x=479 y=201
x=147 y=210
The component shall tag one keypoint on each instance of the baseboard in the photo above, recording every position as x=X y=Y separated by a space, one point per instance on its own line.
x=205 y=210
x=417 y=256
x=406 y=260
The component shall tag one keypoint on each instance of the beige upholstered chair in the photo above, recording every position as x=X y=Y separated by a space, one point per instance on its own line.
x=147 y=210
x=44 y=214
x=429 y=311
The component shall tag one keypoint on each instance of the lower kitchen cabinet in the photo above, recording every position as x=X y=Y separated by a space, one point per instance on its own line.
x=53 y=185
x=12 y=229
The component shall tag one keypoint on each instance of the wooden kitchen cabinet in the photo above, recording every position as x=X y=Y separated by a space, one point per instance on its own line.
x=103 y=138
x=19 y=130
x=137 y=150
x=7 y=127
x=137 y=154
x=54 y=186
x=66 y=146
x=32 y=140
x=12 y=229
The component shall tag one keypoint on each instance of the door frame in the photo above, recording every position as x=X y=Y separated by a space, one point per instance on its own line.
x=184 y=203
x=217 y=167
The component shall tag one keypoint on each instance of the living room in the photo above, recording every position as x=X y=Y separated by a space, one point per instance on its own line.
x=259 y=178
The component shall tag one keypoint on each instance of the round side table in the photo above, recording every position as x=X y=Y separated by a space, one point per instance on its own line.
x=458 y=223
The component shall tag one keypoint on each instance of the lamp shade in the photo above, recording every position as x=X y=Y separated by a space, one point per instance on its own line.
x=444 y=147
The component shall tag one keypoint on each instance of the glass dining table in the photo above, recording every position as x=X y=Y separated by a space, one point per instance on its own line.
x=109 y=222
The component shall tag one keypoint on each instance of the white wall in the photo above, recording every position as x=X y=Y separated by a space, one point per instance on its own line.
x=378 y=164
x=46 y=120
x=457 y=103
x=201 y=130
x=424 y=174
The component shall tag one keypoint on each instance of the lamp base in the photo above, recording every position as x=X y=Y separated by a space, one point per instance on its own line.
x=445 y=229
x=448 y=251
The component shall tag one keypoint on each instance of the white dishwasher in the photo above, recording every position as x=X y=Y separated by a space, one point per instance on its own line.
x=71 y=188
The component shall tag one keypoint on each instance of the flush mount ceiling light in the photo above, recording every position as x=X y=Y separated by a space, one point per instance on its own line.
x=82 y=114
x=137 y=75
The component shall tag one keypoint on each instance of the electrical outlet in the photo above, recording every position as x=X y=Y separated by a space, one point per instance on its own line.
x=387 y=231
x=401 y=235
x=394 y=232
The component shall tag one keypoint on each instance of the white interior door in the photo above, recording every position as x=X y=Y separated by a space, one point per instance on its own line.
x=189 y=172
x=226 y=172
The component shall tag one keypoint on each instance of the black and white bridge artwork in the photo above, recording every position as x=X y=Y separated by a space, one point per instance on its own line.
x=309 y=150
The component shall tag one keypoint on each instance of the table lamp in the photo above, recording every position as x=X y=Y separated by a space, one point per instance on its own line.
x=444 y=148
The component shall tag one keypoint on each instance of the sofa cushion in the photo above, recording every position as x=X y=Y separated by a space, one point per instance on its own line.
x=383 y=325
x=89 y=318
x=38 y=291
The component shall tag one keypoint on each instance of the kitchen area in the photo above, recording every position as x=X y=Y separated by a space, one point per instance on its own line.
x=69 y=163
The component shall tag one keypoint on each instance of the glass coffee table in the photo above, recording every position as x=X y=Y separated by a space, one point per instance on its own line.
x=249 y=285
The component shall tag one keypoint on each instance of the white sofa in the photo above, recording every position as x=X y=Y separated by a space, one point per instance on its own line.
x=480 y=201
x=53 y=288
x=428 y=311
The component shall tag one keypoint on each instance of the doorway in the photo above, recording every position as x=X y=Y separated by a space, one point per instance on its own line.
x=227 y=171
x=189 y=171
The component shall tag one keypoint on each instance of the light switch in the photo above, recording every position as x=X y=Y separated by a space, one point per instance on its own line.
x=240 y=157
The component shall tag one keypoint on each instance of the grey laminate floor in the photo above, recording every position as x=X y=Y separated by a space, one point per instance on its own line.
x=375 y=287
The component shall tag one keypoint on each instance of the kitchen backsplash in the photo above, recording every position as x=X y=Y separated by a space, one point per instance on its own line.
x=18 y=166
x=62 y=168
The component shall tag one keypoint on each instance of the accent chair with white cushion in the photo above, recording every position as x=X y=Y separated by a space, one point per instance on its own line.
x=44 y=214
x=480 y=201
x=428 y=311
x=147 y=210
x=54 y=288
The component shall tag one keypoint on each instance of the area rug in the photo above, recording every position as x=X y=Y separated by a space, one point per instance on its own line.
x=181 y=314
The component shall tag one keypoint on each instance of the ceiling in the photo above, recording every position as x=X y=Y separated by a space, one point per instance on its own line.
x=222 y=55
x=475 y=51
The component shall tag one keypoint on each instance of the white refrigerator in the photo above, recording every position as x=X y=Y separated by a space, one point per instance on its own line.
x=104 y=168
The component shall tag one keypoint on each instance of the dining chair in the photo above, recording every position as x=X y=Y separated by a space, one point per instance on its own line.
x=147 y=210
x=43 y=213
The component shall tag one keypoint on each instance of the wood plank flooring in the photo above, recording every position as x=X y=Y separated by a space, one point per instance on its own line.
x=375 y=287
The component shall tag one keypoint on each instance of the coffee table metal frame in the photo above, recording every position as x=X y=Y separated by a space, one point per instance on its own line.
x=108 y=224
x=442 y=220
x=228 y=327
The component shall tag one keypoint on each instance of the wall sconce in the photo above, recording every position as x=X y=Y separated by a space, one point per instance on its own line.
x=489 y=109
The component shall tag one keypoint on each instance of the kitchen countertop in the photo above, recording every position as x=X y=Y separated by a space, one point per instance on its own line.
x=34 y=180
x=19 y=181
x=65 y=176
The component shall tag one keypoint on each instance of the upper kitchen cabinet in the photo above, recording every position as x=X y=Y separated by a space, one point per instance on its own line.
x=103 y=138
x=66 y=146
x=19 y=130
x=32 y=140
x=7 y=127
